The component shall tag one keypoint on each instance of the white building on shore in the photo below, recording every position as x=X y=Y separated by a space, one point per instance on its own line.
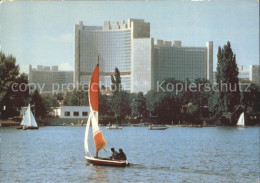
x=71 y=112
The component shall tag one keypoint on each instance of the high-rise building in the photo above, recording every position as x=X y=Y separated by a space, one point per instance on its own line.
x=47 y=78
x=254 y=74
x=129 y=47
x=181 y=63
x=114 y=43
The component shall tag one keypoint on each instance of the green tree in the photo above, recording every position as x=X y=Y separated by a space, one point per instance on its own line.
x=21 y=91
x=192 y=112
x=39 y=106
x=169 y=108
x=9 y=72
x=227 y=78
x=121 y=105
x=201 y=96
x=152 y=99
x=165 y=105
x=250 y=97
x=77 y=97
x=138 y=105
x=116 y=81
x=120 y=100
x=59 y=96
x=50 y=102
x=104 y=105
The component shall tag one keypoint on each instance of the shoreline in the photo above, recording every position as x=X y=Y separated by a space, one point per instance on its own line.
x=11 y=123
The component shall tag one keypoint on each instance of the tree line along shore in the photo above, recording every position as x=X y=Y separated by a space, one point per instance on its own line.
x=194 y=106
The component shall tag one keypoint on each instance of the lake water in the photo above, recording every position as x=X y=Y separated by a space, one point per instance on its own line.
x=56 y=154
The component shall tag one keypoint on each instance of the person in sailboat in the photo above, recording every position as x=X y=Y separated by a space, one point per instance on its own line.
x=121 y=155
x=114 y=154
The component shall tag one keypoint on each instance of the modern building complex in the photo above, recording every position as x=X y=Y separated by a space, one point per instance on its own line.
x=243 y=74
x=49 y=78
x=129 y=47
x=181 y=63
x=254 y=74
x=113 y=43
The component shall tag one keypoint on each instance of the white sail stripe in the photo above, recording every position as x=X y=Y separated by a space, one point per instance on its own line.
x=86 y=135
x=96 y=133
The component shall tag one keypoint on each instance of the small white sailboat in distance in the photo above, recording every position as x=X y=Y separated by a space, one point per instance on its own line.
x=114 y=127
x=241 y=121
x=99 y=140
x=28 y=121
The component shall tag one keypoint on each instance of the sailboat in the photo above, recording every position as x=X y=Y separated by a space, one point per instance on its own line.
x=28 y=121
x=99 y=139
x=241 y=121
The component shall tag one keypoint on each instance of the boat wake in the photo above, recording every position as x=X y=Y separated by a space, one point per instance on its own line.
x=139 y=166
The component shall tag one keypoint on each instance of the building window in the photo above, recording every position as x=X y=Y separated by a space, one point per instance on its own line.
x=75 y=113
x=84 y=113
x=66 y=113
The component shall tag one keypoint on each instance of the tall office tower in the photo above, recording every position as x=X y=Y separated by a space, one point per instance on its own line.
x=49 y=78
x=181 y=63
x=254 y=74
x=118 y=44
x=141 y=63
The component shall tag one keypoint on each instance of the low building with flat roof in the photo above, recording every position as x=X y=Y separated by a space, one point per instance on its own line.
x=47 y=78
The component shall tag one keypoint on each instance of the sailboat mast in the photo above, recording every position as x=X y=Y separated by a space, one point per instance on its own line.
x=34 y=109
x=98 y=91
x=99 y=140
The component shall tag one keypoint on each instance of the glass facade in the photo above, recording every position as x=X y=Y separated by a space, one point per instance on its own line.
x=180 y=63
x=49 y=80
x=114 y=50
x=141 y=63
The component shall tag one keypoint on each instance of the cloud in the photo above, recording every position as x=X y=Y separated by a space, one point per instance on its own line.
x=63 y=38
x=24 y=68
x=66 y=67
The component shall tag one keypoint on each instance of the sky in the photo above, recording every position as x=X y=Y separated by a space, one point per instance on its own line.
x=42 y=32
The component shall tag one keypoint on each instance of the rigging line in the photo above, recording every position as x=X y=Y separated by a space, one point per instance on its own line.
x=105 y=150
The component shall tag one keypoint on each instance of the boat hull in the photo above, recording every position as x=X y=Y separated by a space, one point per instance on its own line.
x=106 y=162
x=27 y=128
x=240 y=126
x=157 y=128
x=114 y=128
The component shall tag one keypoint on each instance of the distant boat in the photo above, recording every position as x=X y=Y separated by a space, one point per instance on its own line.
x=28 y=121
x=114 y=127
x=99 y=140
x=157 y=128
x=241 y=121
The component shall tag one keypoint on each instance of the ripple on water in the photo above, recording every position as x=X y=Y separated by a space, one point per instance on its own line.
x=56 y=154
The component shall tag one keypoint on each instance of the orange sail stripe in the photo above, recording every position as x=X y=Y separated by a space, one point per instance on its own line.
x=93 y=90
x=99 y=140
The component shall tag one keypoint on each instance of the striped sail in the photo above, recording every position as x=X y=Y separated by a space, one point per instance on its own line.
x=99 y=140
